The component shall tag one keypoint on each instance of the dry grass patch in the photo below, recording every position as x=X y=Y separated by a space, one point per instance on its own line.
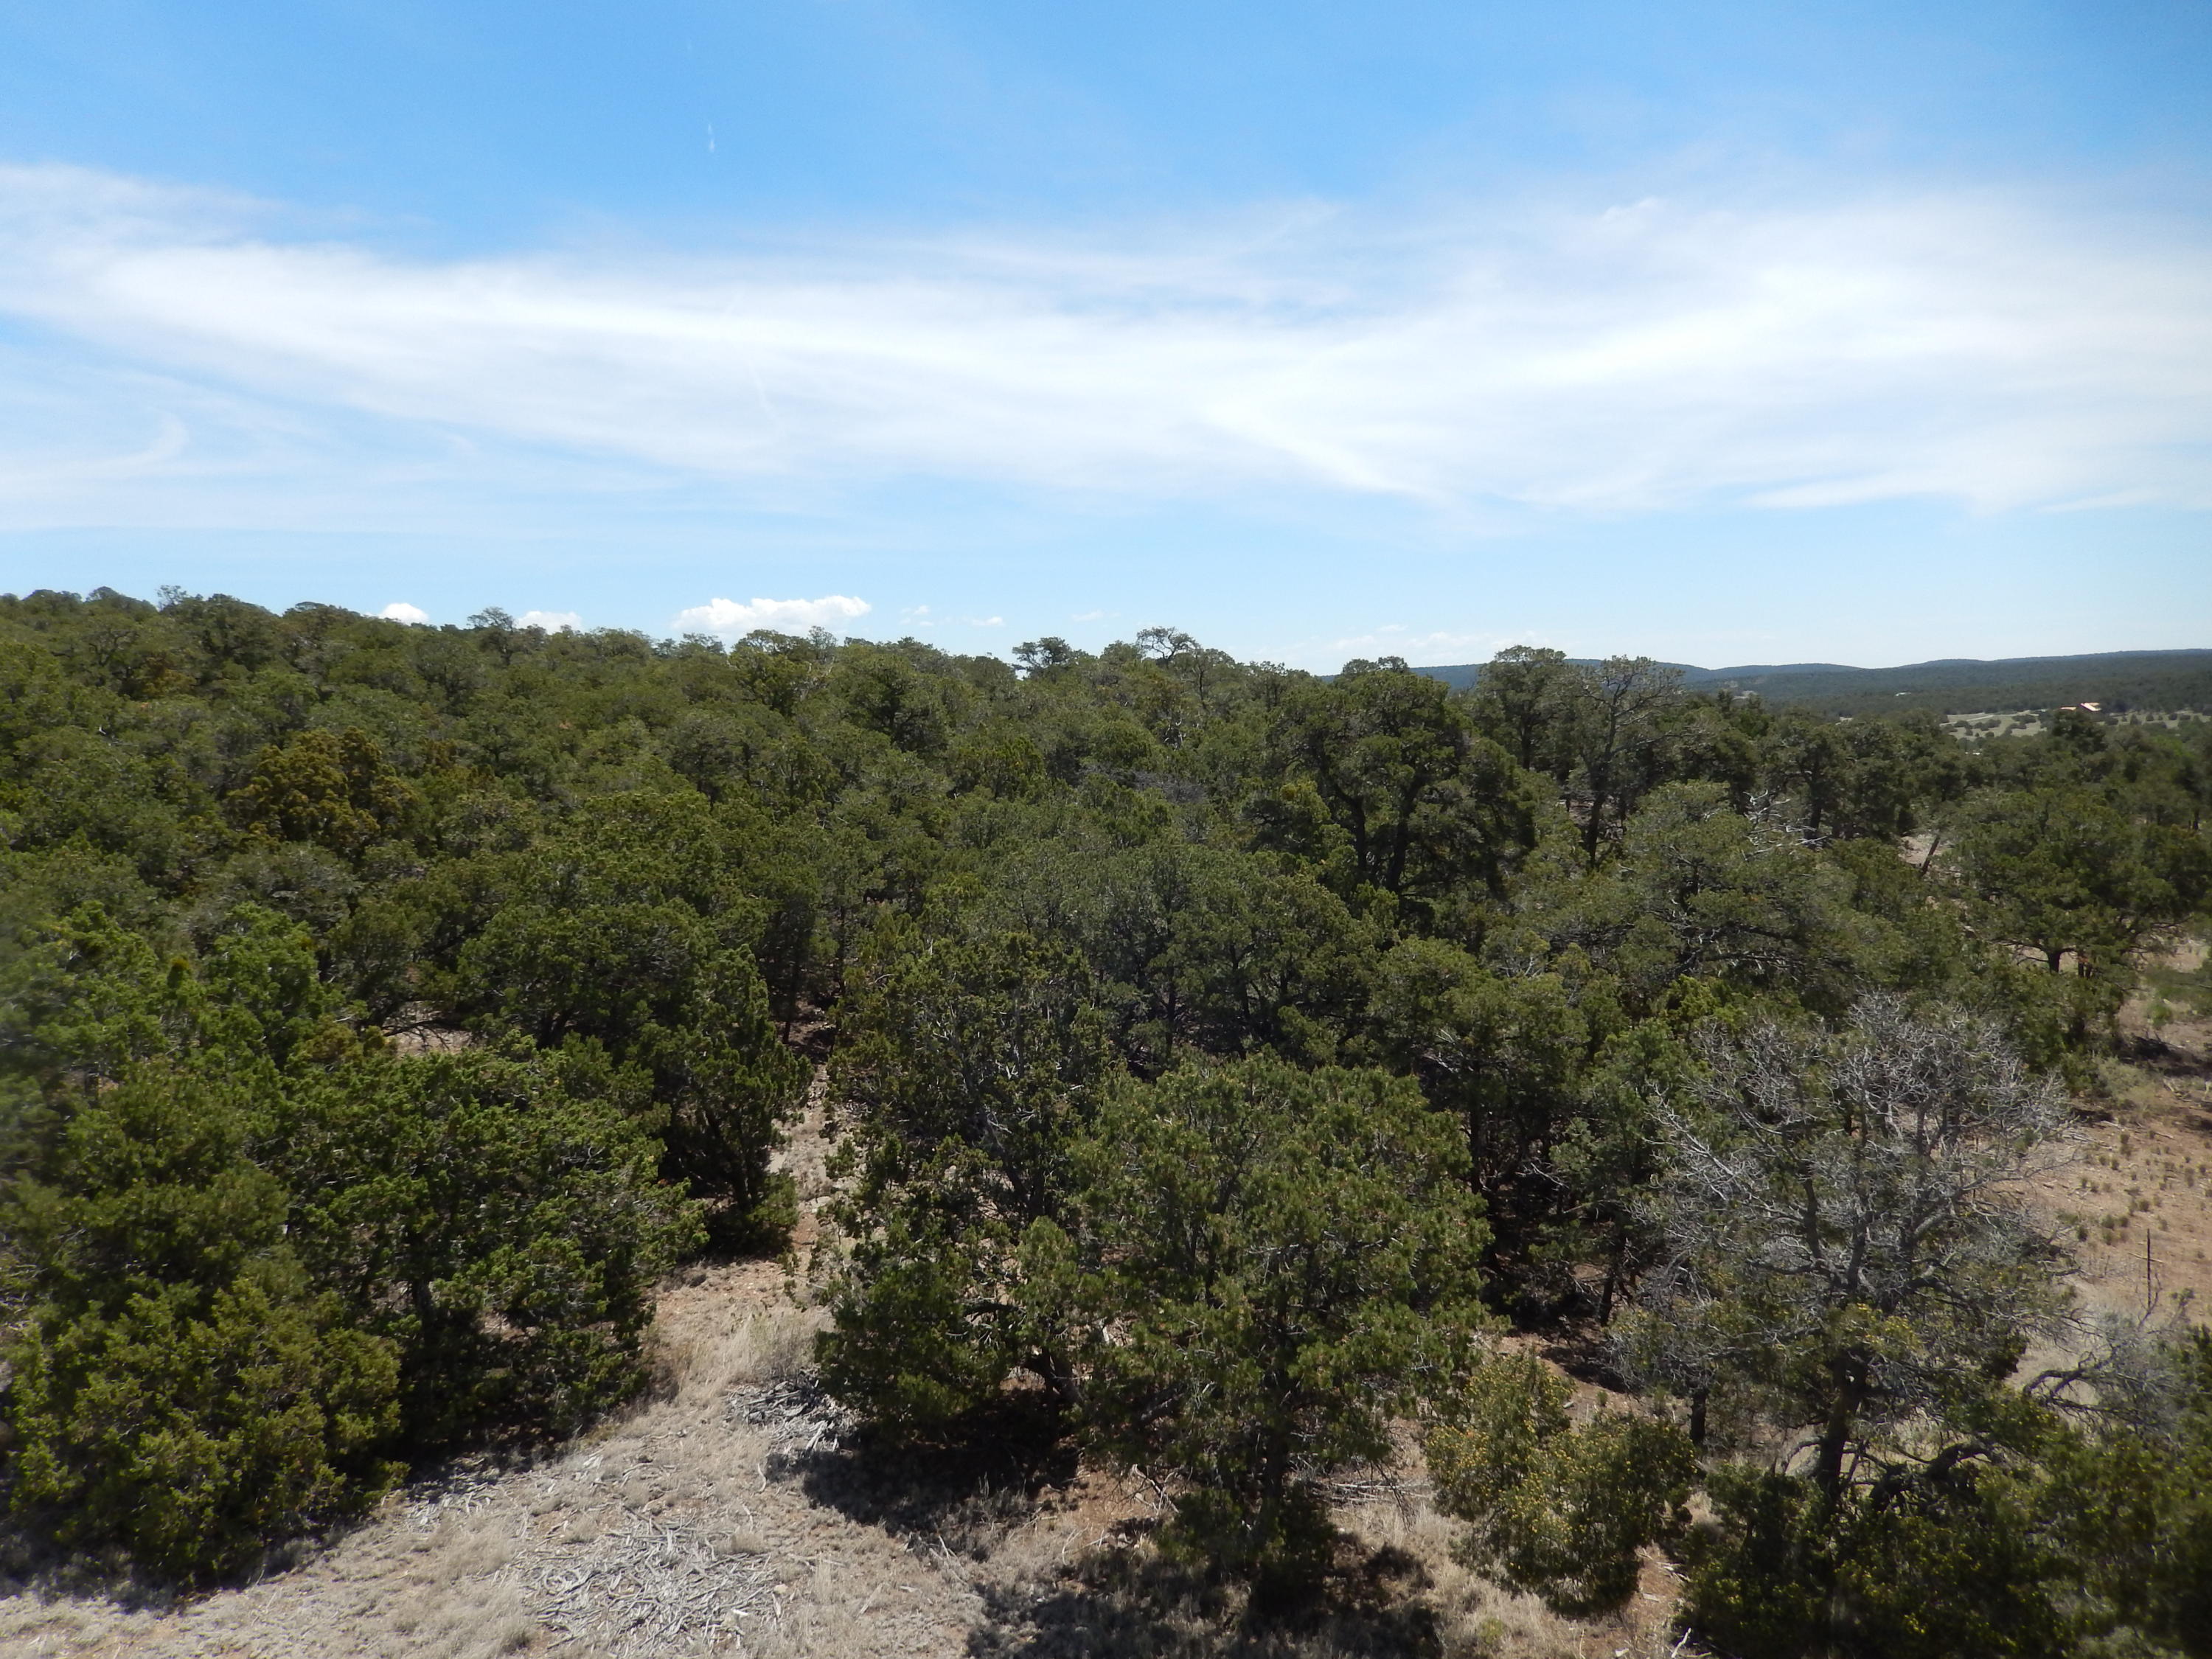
x=2136 y=1206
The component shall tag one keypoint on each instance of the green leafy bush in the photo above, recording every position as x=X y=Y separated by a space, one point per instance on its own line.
x=977 y=1065
x=195 y=1427
x=1274 y=1263
x=1556 y=1508
x=180 y=1388
x=628 y=929
x=497 y=1217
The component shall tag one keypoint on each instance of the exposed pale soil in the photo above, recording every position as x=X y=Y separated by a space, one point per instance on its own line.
x=2142 y=1190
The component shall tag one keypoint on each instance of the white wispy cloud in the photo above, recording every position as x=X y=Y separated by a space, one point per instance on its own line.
x=1995 y=350
x=921 y=618
x=553 y=622
x=731 y=619
x=1416 y=645
x=400 y=610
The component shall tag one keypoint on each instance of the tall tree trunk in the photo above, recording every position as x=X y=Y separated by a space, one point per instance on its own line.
x=1616 y=1256
x=1274 y=1473
x=1849 y=1372
x=1934 y=840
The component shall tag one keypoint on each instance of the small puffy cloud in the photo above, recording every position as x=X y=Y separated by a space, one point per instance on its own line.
x=731 y=619
x=399 y=610
x=553 y=622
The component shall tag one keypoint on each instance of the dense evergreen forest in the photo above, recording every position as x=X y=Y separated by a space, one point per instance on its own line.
x=2160 y=681
x=1224 y=1057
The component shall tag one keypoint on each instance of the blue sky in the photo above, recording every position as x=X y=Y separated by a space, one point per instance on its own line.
x=1728 y=333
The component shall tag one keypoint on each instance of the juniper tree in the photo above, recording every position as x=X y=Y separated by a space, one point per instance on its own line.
x=1275 y=1263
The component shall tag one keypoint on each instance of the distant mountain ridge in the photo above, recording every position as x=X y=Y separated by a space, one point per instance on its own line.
x=2142 y=679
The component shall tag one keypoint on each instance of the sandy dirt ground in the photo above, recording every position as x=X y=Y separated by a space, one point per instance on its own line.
x=2139 y=1202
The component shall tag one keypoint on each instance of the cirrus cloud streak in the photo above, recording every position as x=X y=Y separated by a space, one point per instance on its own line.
x=1655 y=356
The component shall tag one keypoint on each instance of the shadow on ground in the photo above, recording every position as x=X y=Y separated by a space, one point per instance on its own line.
x=963 y=1496
x=1128 y=1604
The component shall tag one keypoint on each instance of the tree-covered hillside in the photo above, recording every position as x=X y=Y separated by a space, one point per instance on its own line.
x=1224 y=1055
x=2122 y=680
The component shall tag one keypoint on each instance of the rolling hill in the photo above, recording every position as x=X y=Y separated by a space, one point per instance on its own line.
x=2138 y=679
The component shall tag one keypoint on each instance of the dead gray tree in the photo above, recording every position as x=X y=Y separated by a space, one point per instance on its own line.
x=1849 y=1250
